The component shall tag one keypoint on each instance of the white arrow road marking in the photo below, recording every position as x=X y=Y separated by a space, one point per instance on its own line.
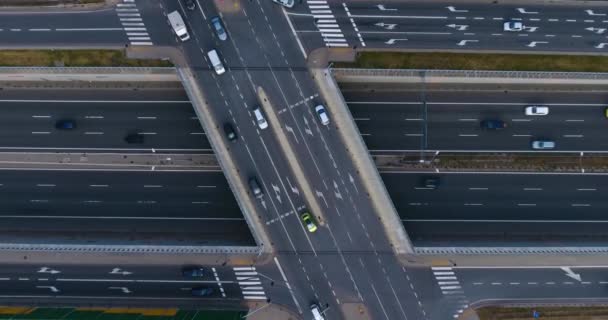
x=123 y=289
x=264 y=204
x=352 y=180
x=601 y=45
x=522 y=10
x=571 y=274
x=392 y=41
x=277 y=192
x=459 y=27
x=464 y=42
x=453 y=9
x=290 y=129
x=387 y=26
x=48 y=270
x=591 y=13
x=53 y=289
x=320 y=195
x=596 y=30
x=383 y=8
x=293 y=189
x=120 y=271
x=530 y=29
x=534 y=43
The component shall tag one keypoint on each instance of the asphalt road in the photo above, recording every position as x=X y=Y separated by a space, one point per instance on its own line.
x=103 y=117
x=405 y=119
x=557 y=209
x=446 y=25
x=112 y=207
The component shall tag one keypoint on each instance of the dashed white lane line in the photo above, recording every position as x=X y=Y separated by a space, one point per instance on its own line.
x=219 y=283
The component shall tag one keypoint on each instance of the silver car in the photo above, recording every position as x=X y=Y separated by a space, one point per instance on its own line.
x=543 y=144
x=285 y=3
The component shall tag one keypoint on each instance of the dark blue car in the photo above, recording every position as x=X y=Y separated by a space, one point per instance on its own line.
x=65 y=124
x=202 y=291
x=493 y=124
x=193 y=272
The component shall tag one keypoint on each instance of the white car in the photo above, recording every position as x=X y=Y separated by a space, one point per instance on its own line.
x=537 y=110
x=322 y=114
x=543 y=144
x=513 y=26
x=285 y=3
x=259 y=117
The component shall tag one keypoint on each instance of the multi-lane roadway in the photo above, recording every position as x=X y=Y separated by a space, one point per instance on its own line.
x=448 y=25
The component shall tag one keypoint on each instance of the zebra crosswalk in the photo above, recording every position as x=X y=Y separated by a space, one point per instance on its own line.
x=249 y=281
x=451 y=288
x=132 y=23
x=326 y=23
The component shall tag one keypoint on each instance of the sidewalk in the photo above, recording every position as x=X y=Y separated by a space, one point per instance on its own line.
x=271 y=311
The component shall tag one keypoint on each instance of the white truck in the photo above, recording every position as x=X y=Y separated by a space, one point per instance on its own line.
x=178 y=25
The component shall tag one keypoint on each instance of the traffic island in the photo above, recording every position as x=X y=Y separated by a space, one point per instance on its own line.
x=574 y=162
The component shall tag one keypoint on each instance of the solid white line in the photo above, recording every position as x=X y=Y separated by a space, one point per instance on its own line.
x=522 y=135
x=478 y=188
x=98 y=185
x=40 y=132
x=467 y=119
x=293 y=31
x=276 y=261
x=243 y=268
x=526 y=204
x=93 y=132
x=575 y=120
x=141 y=43
x=583 y=189
x=573 y=136
x=397 y=17
x=95 y=101
x=467 y=135
x=504 y=221
x=137 y=280
x=254 y=298
x=521 y=120
x=475 y=103
x=42 y=29
x=408 y=32
x=441 y=268
x=89 y=29
x=45 y=185
x=413 y=119
x=533 y=189
x=113 y=217
x=41 y=116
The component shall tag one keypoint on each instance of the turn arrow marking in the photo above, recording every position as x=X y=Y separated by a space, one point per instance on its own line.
x=459 y=27
x=383 y=8
x=453 y=9
x=571 y=274
x=464 y=42
x=392 y=41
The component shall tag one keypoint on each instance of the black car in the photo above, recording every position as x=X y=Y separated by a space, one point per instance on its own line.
x=229 y=131
x=493 y=124
x=134 y=138
x=255 y=187
x=193 y=272
x=202 y=291
x=190 y=4
x=430 y=182
x=65 y=124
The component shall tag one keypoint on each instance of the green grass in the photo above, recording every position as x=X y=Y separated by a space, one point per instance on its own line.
x=74 y=58
x=46 y=2
x=473 y=61
x=73 y=314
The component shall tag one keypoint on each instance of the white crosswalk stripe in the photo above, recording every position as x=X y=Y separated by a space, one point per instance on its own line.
x=131 y=20
x=326 y=23
x=250 y=283
x=451 y=289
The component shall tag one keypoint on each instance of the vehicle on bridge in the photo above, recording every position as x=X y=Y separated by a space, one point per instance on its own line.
x=513 y=26
x=255 y=187
x=214 y=58
x=537 y=110
x=285 y=3
x=493 y=124
x=65 y=124
x=309 y=222
x=259 y=117
x=316 y=312
x=202 y=291
x=543 y=144
x=229 y=131
x=216 y=22
x=193 y=271
x=178 y=25
x=322 y=113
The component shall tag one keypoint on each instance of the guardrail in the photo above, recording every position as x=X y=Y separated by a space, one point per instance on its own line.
x=508 y=250
x=129 y=248
x=469 y=73
x=77 y=70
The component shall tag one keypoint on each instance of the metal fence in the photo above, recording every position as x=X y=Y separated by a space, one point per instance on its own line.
x=469 y=74
x=508 y=250
x=129 y=248
x=96 y=70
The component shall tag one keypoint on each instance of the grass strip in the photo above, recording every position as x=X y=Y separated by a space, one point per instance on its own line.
x=74 y=58
x=477 y=61
x=547 y=313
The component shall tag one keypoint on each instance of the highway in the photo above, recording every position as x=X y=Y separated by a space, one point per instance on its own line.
x=120 y=207
x=513 y=208
x=448 y=119
x=103 y=117
x=552 y=27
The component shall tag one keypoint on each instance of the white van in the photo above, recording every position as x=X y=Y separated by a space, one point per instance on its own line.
x=178 y=25
x=316 y=312
x=216 y=62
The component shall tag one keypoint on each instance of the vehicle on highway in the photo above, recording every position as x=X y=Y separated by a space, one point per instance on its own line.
x=229 y=131
x=316 y=312
x=606 y=112
x=431 y=182
x=259 y=117
x=543 y=144
x=214 y=58
x=202 y=291
x=134 y=138
x=216 y=22
x=537 y=110
x=322 y=113
x=65 y=124
x=190 y=4
x=193 y=271
x=513 y=26
x=285 y=3
x=309 y=222
x=493 y=124
x=255 y=187
x=178 y=25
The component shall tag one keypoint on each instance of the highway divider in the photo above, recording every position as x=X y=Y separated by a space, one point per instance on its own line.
x=532 y=162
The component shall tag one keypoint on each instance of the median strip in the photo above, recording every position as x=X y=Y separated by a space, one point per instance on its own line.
x=75 y=58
